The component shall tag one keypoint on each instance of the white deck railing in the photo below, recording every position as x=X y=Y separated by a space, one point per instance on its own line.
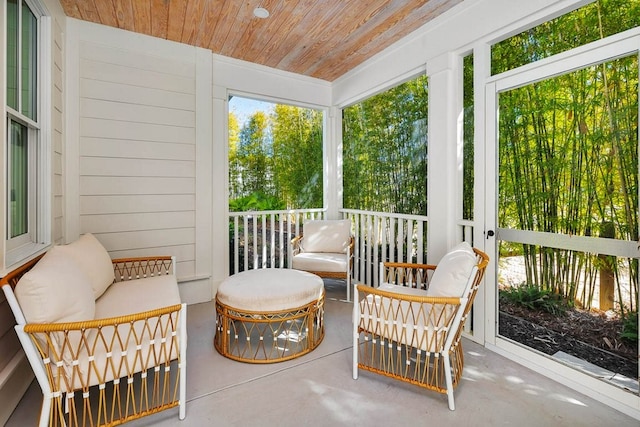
x=262 y=239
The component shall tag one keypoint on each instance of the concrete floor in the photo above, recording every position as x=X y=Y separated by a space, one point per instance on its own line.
x=318 y=390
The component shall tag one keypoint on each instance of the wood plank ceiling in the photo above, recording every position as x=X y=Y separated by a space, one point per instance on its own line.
x=317 y=38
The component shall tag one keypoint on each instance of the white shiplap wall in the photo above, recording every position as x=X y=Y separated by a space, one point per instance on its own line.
x=137 y=151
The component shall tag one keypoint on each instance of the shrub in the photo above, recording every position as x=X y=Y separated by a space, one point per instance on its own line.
x=630 y=326
x=535 y=298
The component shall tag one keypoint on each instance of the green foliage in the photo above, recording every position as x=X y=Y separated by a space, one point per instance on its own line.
x=630 y=326
x=385 y=151
x=568 y=164
x=535 y=298
x=278 y=155
x=594 y=21
x=256 y=201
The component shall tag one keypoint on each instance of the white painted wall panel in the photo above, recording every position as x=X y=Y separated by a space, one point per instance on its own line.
x=124 y=185
x=97 y=89
x=179 y=251
x=136 y=149
x=98 y=205
x=241 y=76
x=138 y=221
x=135 y=77
x=142 y=239
x=132 y=58
x=129 y=112
x=100 y=128
x=107 y=166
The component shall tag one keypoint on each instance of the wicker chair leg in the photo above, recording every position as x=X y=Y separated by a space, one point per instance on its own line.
x=447 y=376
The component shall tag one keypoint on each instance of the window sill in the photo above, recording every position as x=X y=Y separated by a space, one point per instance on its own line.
x=22 y=254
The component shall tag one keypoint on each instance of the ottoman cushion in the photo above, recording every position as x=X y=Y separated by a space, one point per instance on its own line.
x=270 y=289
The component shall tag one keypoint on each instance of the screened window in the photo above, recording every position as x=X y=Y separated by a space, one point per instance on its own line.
x=385 y=151
x=275 y=156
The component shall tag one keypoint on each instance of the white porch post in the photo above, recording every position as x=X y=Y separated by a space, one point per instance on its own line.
x=220 y=187
x=332 y=162
x=442 y=183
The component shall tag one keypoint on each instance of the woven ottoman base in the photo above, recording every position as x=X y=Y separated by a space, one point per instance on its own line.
x=269 y=315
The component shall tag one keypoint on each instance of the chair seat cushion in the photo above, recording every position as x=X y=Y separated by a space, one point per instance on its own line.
x=135 y=296
x=109 y=353
x=416 y=324
x=325 y=262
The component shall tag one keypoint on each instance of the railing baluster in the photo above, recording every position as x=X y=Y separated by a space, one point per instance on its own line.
x=379 y=237
x=236 y=242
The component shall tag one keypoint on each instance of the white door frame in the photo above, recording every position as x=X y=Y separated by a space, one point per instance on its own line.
x=622 y=44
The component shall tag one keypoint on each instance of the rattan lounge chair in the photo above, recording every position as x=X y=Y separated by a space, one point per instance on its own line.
x=410 y=327
x=104 y=354
x=326 y=249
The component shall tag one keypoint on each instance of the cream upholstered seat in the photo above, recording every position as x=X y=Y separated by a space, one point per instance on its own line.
x=106 y=338
x=410 y=327
x=325 y=248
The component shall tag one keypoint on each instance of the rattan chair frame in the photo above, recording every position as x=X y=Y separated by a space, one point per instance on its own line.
x=90 y=393
x=296 y=244
x=415 y=339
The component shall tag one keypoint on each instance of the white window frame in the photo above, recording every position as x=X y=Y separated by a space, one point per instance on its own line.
x=39 y=147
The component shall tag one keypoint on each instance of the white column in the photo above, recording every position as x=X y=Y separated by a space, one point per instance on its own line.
x=204 y=192
x=220 y=187
x=332 y=162
x=442 y=186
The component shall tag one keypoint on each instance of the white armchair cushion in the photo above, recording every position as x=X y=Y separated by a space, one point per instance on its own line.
x=326 y=236
x=55 y=290
x=419 y=325
x=94 y=260
x=325 y=262
x=452 y=272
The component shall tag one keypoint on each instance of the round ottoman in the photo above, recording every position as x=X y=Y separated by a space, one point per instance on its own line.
x=269 y=315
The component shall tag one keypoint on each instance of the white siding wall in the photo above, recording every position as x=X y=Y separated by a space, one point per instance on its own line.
x=136 y=146
x=137 y=162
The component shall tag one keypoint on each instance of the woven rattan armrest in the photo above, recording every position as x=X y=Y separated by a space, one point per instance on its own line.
x=406 y=274
x=409 y=298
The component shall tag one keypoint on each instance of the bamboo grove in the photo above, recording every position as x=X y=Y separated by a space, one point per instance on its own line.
x=568 y=154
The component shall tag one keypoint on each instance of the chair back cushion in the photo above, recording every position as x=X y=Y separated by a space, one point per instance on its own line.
x=55 y=290
x=94 y=260
x=326 y=236
x=452 y=272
